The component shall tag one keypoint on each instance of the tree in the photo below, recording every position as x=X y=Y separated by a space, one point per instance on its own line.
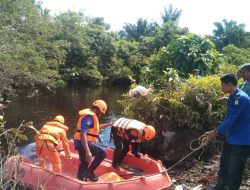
x=246 y=43
x=128 y=52
x=164 y=34
x=190 y=52
x=90 y=50
x=100 y=43
x=167 y=32
x=228 y=32
x=236 y=56
x=171 y=14
x=98 y=21
x=29 y=53
x=184 y=54
x=140 y=29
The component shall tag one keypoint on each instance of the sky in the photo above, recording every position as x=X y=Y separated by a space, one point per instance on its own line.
x=197 y=15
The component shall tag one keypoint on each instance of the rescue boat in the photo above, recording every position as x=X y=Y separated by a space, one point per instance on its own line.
x=134 y=175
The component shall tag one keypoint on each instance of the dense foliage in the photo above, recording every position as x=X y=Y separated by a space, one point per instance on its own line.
x=192 y=106
x=229 y=32
x=179 y=58
x=38 y=50
x=236 y=56
x=8 y=148
x=194 y=101
x=30 y=54
x=193 y=52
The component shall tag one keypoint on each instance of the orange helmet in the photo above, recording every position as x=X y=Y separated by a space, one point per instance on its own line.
x=59 y=118
x=101 y=105
x=149 y=132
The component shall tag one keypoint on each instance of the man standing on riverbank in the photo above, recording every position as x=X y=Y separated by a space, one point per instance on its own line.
x=236 y=130
x=196 y=73
x=126 y=132
x=85 y=139
x=245 y=74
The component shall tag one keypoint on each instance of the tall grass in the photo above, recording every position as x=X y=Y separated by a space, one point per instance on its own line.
x=8 y=148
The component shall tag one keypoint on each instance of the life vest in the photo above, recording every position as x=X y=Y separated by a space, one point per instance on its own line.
x=51 y=131
x=123 y=125
x=93 y=132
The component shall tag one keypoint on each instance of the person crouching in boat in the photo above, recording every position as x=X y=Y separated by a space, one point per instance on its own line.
x=128 y=131
x=46 y=141
x=85 y=139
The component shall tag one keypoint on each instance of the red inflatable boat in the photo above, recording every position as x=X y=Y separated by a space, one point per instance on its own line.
x=133 y=175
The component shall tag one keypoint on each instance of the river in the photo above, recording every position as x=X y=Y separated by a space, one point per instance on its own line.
x=66 y=101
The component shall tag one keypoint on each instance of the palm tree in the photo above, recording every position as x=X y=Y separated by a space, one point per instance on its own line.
x=141 y=28
x=171 y=14
x=229 y=32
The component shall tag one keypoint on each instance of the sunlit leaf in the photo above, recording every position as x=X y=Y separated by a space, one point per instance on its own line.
x=21 y=136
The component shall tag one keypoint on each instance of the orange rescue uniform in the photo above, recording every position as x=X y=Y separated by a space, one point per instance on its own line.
x=50 y=135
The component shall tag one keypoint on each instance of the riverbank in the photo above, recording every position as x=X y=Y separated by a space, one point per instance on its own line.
x=202 y=174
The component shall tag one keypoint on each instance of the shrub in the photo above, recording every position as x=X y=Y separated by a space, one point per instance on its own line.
x=184 y=113
x=8 y=148
x=236 y=56
x=193 y=104
x=190 y=52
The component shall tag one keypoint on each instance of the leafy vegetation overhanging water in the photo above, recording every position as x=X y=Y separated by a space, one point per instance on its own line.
x=40 y=52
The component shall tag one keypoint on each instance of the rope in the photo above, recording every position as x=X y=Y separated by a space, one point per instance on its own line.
x=203 y=140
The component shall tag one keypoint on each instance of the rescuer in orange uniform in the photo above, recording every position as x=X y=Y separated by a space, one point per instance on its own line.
x=85 y=139
x=48 y=138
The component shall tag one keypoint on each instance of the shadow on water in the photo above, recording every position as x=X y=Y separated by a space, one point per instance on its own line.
x=65 y=101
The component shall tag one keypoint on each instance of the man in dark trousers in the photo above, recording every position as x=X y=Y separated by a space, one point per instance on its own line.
x=85 y=139
x=236 y=130
x=129 y=132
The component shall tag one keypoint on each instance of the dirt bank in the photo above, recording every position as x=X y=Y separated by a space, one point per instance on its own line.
x=194 y=173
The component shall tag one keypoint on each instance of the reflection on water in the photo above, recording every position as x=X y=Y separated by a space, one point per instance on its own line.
x=65 y=101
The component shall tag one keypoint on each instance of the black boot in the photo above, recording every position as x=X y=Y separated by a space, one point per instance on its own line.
x=116 y=166
x=91 y=176
x=82 y=176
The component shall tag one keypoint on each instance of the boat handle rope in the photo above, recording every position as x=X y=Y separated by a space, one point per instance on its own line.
x=203 y=141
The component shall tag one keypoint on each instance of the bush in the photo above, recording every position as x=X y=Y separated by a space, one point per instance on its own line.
x=236 y=56
x=227 y=68
x=194 y=101
x=190 y=52
x=184 y=114
x=8 y=148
